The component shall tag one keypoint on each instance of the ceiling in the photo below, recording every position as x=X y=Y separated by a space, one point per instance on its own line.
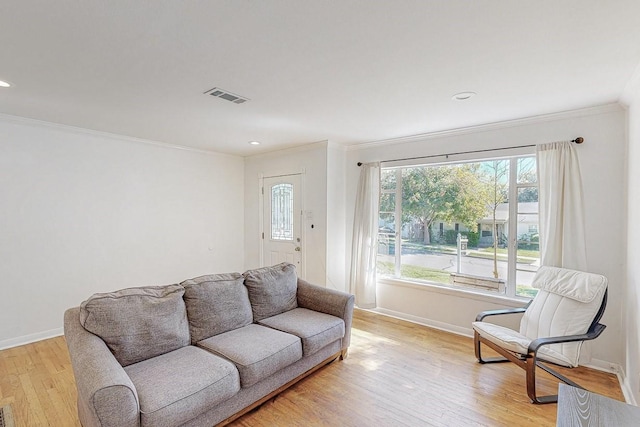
x=347 y=71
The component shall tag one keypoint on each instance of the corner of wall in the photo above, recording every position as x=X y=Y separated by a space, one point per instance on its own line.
x=631 y=89
x=630 y=380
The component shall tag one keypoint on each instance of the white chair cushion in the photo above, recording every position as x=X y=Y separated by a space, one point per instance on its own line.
x=577 y=285
x=566 y=304
x=513 y=341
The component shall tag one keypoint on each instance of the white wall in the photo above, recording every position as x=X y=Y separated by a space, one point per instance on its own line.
x=84 y=212
x=602 y=158
x=631 y=308
x=311 y=160
x=336 y=220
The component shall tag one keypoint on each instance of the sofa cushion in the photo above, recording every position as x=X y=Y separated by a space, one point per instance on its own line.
x=257 y=351
x=314 y=329
x=272 y=290
x=216 y=303
x=178 y=386
x=138 y=323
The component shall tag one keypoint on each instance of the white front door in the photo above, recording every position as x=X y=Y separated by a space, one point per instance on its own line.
x=282 y=215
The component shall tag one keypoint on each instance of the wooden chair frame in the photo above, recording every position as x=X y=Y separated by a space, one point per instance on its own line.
x=530 y=361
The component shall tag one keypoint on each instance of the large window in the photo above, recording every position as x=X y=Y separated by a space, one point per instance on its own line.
x=472 y=224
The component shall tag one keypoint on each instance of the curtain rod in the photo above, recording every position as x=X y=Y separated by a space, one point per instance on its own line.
x=578 y=140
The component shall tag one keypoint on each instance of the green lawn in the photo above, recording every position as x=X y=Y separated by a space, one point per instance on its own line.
x=526 y=291
x=416 y=272
x=438 y=276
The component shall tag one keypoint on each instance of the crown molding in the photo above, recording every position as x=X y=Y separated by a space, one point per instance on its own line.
x=84 y=131
x=289 y=150
x=562 y=115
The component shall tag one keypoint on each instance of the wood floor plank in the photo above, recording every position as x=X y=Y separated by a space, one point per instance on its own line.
x=397 y=374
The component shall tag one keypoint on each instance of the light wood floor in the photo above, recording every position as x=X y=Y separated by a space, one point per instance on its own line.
x=397 y=374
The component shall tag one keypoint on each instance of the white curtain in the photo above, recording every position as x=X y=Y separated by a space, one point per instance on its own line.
x=562 y=224
x=365 y=237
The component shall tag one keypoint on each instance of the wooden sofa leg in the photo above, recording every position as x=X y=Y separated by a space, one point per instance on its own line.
x=343 y=353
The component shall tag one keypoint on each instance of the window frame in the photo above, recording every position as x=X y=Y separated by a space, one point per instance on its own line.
x=512 y=240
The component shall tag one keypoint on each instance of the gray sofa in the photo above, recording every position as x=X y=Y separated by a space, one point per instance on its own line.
x=204 y=351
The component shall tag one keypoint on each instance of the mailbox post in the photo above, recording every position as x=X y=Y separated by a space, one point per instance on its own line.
x=462 y=246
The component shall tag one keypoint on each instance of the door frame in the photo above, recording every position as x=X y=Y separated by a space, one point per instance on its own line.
x=302 y=272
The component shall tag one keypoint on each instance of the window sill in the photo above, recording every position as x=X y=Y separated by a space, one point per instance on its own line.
x=457 y=291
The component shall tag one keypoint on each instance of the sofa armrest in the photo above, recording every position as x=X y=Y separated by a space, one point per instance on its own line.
x=106 y=395
x=329 y=301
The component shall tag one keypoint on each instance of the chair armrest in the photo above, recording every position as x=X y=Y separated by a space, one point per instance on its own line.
x=590 y=335
x=328 y=301
x=106 y=395
x=488 y=313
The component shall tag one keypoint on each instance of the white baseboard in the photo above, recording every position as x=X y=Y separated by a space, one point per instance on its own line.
x=614 y=368
x=604 y=366
x=28 y=339
x=458 y=330
x=626 y=388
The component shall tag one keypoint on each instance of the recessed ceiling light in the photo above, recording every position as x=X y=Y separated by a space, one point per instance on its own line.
x=463 y=96
x=254 y=142
x=4 y=84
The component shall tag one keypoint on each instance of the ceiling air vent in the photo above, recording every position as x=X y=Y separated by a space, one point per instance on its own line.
x=223 y=94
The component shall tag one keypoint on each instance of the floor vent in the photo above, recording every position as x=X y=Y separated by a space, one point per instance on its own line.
x=226 y=95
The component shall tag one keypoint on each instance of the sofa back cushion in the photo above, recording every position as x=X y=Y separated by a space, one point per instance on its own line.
x=216 y=303
x=272 y=290
x=138 y=323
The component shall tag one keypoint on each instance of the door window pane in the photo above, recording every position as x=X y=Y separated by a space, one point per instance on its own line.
x=282 y=212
